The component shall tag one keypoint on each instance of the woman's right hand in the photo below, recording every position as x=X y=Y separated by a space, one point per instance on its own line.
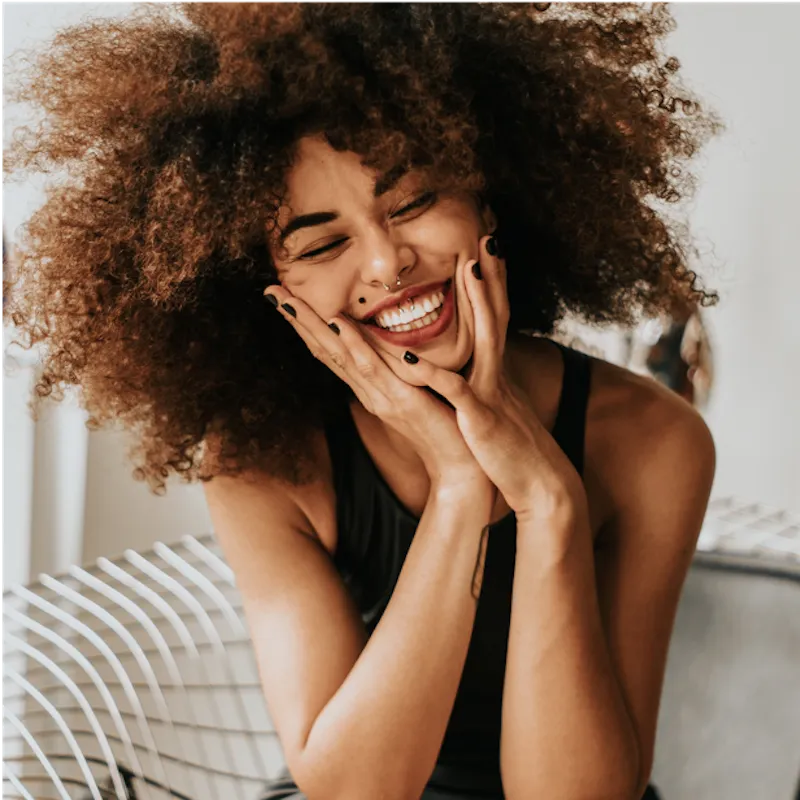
x=388 y=388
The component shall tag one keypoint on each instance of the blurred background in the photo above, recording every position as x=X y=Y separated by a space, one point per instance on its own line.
x=69 y=496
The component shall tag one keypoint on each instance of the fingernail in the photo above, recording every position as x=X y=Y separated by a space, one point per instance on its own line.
x=476 y=270
x=272 y=299
x=288 y=309
x=409 y=357
x=334 y=327
x=491 y=246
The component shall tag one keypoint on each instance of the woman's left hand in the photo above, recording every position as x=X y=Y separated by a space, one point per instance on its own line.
x=496 y=419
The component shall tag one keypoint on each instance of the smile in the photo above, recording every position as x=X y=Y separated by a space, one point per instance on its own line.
x=416 y=313
x=417 y=320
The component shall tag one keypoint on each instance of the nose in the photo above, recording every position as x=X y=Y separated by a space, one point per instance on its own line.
x=383 y=258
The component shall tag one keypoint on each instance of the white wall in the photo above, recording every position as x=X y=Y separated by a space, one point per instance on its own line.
x=18 y=445
x=116 y=512
x=741 y=58
x=744 y=59
x=121 y=512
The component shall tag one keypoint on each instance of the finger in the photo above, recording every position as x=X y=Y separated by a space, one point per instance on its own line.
x=456 y=390
x=488 y=346
x=493 y=267
x=321 y=340
x=288 y=311
x=362 y=361
x=341 y=346
x=390 y=383
x=490 y=248
x=415 y=370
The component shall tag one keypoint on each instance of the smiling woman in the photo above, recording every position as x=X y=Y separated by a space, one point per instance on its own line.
x=181 y=135
x=403 y=479
x=343 y=236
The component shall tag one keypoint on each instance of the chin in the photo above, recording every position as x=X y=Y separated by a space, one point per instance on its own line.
x=454 y=363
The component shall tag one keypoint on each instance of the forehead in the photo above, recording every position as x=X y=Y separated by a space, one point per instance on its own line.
x=320 y=173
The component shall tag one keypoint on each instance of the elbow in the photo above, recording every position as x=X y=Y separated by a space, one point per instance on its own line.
x=632 y=781
x=623 y=782
x=615 y=791
x=362 y=790
x=337 y=765
x=640 y=767
x=643 y=780
x=632 y=775
x=353 y=781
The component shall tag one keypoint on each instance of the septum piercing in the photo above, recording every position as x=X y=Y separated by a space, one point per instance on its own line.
x=385 y=286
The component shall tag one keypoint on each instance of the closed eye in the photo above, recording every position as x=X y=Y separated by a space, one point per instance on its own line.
x=321 y=250
x=424 y=200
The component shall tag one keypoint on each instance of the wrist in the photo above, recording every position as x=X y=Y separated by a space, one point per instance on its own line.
x=552 y=503
x=556 y=537
x=463 y=485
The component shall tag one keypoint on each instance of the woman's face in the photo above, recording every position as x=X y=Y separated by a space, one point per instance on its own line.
x=347 y=233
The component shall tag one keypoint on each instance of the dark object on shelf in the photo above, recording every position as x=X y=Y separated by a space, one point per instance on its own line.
x=682 y=359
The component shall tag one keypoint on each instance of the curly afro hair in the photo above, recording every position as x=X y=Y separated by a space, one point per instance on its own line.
x=143 y=271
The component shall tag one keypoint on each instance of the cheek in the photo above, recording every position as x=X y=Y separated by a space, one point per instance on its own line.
x=322 y=293
x=450 y=230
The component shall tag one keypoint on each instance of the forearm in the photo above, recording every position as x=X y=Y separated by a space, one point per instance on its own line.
x=381 y=732
x=566 y=731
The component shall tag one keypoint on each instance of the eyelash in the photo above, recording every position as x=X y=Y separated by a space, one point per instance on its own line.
x=428 y=198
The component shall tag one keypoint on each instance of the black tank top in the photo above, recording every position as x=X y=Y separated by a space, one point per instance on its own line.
x=374 y=534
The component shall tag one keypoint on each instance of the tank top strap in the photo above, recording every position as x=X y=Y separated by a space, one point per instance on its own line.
x=569 y=429
x=351 y=481
x=570 y=425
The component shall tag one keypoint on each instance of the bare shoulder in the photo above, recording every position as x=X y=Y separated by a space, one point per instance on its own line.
x=309 y=507
x=637 y=430
x=317 y=499
x=632 y=415
x=643 y=440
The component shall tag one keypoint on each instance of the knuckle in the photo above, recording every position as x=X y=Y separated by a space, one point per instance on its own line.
x=382 y=408
x=366 y=369
x=394 y=406
x=459 y=385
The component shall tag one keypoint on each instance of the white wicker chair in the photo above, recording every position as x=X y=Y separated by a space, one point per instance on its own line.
x=135 y=677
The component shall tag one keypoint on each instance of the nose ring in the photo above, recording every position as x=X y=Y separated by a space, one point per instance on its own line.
x=386 y=285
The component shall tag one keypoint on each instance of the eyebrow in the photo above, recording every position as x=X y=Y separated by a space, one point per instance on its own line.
x=383 y=184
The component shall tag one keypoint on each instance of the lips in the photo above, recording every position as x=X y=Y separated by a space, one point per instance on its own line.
x=419 y=336
x=401 y=297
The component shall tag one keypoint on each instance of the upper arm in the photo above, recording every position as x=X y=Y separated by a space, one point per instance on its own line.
x=306 y=630
x=647 y=548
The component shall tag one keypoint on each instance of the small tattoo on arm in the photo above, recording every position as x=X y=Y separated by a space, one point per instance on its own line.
x=477 y=575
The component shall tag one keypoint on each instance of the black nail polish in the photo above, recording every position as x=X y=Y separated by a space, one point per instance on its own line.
x=288 y=309
x=491 y=246
x=476 y=270
x=271 y=299
x=334 y=327
x=409 y=357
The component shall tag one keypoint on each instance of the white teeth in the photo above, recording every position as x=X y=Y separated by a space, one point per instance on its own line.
x=428 y=319
x=397 y=317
